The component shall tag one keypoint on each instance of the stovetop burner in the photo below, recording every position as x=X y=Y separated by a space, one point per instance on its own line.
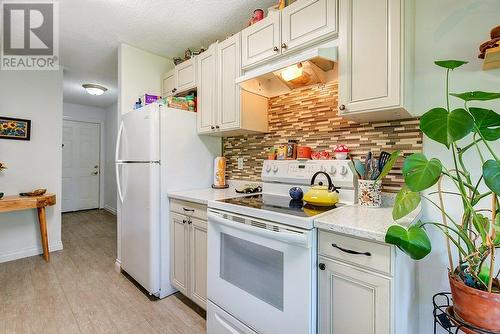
x=280 y=204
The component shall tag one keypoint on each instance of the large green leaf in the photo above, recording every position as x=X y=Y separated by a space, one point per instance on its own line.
x=477 y=96
x=406 y=201
x=389 y=164
x=420 y=173
x=413 y=241
x=487 y=121
x=491 y=175
x=450 y=64
x=446 y=127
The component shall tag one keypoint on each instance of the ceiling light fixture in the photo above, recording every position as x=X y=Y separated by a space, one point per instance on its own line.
x=292 y=72
x=94 y=89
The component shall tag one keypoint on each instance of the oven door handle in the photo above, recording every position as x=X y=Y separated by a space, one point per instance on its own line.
x=292 y=238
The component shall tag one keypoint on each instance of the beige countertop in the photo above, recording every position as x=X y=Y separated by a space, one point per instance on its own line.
x=204 y=195
x=363 y=222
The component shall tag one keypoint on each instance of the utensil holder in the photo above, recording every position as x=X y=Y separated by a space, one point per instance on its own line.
x=370 y=193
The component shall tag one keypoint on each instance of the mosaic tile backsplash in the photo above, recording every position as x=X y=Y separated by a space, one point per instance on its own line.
x=309 y=115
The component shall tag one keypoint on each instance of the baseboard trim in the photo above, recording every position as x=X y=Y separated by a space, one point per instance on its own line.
x=27 y=252
x=110 y=209
x=118 y=265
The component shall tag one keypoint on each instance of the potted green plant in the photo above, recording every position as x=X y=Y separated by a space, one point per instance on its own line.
x=474 y=283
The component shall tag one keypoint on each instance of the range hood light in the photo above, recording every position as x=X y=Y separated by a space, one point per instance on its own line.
x=292 y=72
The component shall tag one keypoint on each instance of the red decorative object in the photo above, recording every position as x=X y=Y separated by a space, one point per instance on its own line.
x=258 y=15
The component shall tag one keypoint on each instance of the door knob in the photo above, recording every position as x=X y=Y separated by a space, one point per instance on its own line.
x=96 y=166
x=275 y=49
x=322 y=266
x=342 y=107
x=95 y=173
x=284 y=46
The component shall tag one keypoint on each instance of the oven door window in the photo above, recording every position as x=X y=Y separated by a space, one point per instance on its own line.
x=254 y=268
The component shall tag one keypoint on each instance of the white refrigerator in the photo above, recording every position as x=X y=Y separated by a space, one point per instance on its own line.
x=158 y=150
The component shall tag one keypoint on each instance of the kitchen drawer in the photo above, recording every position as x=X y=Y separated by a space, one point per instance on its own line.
x=379 y=257
x=188 y=208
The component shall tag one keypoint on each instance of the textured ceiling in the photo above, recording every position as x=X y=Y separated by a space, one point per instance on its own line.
x=91 y=30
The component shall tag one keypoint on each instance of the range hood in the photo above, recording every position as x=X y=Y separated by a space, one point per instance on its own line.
x=310 y=67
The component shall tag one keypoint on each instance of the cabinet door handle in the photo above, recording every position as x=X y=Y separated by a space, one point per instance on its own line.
x=322 y=266
x=212 y=127
x=342 y=107
x=351 y=251
x=284 y=46
x=217 y=127
x=190 y=222
x=275 y=49
x=184 y=221
x=188 y=210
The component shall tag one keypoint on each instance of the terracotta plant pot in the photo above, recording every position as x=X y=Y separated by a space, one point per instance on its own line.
x=478 y=308
x=271 y=156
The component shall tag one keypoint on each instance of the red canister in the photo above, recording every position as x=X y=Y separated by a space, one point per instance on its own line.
x=304 y=152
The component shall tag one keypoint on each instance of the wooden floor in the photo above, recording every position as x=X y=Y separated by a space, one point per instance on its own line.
x=80 y=292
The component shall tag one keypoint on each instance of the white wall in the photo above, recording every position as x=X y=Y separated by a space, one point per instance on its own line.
x=34 y=95
x=139 y=72
x=448 y=29
x=111 y=126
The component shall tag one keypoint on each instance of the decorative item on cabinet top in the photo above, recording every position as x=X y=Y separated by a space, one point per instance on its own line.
x=490 y=50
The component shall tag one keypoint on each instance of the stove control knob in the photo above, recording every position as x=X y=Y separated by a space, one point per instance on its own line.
x=268 y=168
x=343 y=170
x=333 y=170
x=275 y=169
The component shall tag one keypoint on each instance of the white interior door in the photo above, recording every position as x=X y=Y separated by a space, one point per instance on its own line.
x=80 y=183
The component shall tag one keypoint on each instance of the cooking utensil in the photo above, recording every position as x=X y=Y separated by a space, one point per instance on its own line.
x=359 y=167
x=367 y=165
x=320 y=195
x=374 y=171
x=382 y=161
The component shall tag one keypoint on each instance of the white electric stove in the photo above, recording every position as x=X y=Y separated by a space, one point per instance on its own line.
x=262 y=251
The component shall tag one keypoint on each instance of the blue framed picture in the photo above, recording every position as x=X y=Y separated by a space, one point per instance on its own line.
x=15 y=128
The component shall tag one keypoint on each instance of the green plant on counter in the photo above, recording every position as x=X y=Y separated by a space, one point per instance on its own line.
x=477 y=234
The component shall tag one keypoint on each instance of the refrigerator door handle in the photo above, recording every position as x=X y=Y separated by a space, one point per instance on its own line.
x=118 y=141
x=118 y=182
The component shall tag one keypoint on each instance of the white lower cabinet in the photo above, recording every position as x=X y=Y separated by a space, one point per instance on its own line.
x=364 y=286
x=188 y=252
x=351 y=300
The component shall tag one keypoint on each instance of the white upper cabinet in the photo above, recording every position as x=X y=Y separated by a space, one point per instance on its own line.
x=207 y=90
x=372 y=60
x=223 y=108
x=297 y=26
x=168 y=84
x=229 y=55
x=185 y=75
x=261 y=41
x=303 y=22
x=181 y=79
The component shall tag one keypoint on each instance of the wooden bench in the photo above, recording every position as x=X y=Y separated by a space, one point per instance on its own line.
x=17 y=203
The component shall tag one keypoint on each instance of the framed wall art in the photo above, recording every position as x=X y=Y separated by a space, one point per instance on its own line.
x=15 y=128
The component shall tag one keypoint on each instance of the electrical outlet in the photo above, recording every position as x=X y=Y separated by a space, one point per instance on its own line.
x=240 y=163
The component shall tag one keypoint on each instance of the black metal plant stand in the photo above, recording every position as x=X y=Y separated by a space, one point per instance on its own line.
x=444 y=317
